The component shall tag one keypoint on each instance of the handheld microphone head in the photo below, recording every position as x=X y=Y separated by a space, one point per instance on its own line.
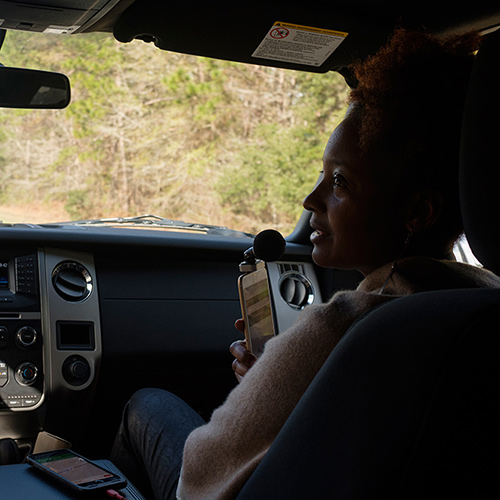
x=268 y=246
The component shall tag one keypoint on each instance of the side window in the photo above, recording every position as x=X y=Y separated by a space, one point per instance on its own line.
x=463 y=252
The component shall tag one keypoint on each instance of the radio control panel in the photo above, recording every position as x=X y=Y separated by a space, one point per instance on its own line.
x=21 y=339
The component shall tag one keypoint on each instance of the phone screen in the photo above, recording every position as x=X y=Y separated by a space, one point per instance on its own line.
x=75 y=469
x=257 y=311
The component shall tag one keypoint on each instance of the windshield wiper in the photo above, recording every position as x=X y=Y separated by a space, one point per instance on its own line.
x=150 y=220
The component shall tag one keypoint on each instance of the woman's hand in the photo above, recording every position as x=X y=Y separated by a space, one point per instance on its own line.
x=244 y=358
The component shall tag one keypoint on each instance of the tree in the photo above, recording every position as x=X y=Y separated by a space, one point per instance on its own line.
x=271 y=174
x=154 y=132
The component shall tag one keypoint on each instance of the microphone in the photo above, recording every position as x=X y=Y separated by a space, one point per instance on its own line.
x=268 y=246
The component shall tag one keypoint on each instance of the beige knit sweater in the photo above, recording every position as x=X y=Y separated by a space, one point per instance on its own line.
x=220 y=456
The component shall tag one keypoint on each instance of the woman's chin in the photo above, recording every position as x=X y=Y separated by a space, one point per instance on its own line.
x=325 y=258
x=321 y=258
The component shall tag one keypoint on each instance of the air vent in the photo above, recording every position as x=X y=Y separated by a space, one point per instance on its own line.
x=295 y=289
x=72 y=281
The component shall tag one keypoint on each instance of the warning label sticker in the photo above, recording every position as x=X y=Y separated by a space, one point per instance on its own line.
x=298 y=44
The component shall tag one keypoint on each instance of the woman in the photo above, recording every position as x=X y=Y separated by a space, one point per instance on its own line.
x=387 y=205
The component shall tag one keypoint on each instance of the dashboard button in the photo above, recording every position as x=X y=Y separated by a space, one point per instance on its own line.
x=30 y=401
x=4 y=337
x=4 y=373
x=14 y=403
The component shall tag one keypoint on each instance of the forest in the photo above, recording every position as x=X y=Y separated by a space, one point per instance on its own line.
x=149 y=131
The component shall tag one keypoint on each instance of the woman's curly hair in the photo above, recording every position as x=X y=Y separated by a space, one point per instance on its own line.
x=410 y=97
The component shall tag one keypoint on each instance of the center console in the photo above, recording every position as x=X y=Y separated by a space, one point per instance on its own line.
x=50 y=338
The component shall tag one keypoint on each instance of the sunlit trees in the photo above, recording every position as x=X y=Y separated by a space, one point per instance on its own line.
x=154 y=132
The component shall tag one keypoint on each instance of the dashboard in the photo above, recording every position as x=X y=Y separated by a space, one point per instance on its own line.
x=89 y=315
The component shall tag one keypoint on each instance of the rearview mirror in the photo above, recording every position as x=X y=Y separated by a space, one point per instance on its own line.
x=33 y=89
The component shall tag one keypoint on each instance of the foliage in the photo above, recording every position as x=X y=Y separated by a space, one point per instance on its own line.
x=154 y=132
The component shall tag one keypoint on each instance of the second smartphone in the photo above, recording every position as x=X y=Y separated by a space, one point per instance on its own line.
x=76 y=471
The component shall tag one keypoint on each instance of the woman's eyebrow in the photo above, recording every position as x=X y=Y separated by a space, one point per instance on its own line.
x=334 y=162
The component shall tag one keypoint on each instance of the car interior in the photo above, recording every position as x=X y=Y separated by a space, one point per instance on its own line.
x=90 y=314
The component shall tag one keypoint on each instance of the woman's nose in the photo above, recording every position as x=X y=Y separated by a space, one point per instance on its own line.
x=313 y=201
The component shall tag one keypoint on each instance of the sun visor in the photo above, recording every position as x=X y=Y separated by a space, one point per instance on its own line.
x=282 y=36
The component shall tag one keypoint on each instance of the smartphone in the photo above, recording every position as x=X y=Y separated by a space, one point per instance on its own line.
x=76 y=471
x=256 y=307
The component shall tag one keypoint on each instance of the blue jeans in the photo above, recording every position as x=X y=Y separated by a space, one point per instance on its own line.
x=149 y=444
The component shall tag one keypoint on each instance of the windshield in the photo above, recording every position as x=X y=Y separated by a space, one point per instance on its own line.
x=151 y=132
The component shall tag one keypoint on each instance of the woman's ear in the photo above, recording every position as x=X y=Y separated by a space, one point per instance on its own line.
x=424 y=209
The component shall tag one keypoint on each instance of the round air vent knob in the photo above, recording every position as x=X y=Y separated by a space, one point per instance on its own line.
x=72 y=281
x=296 y=290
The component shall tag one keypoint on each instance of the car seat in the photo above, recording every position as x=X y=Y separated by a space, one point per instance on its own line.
x=408 y=404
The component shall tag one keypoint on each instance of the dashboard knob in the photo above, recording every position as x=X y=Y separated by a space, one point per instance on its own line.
x=26 y=373
x=76 y=370
x=26 y=337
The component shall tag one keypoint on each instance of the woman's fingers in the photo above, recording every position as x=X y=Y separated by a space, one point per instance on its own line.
x=244 y=359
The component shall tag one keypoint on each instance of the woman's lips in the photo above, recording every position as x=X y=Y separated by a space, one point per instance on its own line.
x=317 y=236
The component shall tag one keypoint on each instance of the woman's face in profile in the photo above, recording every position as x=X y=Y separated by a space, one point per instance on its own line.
x=358 y=210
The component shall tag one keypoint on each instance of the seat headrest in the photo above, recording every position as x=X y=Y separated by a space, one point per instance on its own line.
x=479 y=158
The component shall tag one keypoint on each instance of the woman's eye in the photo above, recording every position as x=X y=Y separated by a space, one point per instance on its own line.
x=338 y=180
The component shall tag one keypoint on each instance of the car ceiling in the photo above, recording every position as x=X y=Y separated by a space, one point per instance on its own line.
x=234 y=32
